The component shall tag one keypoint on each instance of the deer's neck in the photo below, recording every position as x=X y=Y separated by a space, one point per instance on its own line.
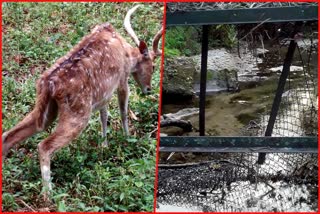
x=135 y=57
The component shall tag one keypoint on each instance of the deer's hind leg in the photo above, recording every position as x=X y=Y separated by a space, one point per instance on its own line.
x=70 y=125
x=34 y=122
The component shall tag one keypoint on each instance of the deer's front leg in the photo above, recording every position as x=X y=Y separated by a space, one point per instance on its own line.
x=44 y=157
x=104 y=124
x=123 y=95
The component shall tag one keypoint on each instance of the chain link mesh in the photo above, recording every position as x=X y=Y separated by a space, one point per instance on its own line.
x=286 y=182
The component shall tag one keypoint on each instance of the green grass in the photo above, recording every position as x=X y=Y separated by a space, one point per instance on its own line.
x=86 y=177
x=182 y=41
x=186 y=40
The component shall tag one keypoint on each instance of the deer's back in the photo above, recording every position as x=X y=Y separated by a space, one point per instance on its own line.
x=90 y=72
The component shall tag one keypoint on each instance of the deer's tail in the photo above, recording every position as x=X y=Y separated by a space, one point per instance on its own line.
x=44 y=103
x=43 y=114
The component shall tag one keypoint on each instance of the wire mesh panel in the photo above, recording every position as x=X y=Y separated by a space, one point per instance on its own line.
x=232 y=182
x=298 y=112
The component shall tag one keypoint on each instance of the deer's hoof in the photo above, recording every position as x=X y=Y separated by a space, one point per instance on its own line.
x=46 y=198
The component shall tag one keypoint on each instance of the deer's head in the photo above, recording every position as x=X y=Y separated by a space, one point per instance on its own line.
x=144 y=59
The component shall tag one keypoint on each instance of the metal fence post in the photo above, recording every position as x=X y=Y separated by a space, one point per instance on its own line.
x=203 y=78
x=281 y=85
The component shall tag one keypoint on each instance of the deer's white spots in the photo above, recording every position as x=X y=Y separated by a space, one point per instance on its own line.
x=112 y=40
x=71 y=80
x=51 y=86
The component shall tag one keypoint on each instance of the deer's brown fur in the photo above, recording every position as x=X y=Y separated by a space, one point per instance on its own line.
x=77 y=84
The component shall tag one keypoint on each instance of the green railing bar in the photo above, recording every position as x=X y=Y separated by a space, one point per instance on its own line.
x=243 y=16
x=239 y=144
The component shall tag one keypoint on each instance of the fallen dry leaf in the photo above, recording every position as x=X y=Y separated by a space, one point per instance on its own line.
x=132 y=115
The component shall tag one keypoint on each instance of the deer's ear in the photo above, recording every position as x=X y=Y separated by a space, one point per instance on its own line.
x=143 y=48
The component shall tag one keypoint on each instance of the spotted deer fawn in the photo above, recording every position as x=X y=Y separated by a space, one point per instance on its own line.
x=83 y=81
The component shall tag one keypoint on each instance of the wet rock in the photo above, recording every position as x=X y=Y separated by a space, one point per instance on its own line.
x=178 y=79
x=182 y=114
x=221 y=80
x=176 y=124
x=227 y=79
x=226 y=70
x=221 y=59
